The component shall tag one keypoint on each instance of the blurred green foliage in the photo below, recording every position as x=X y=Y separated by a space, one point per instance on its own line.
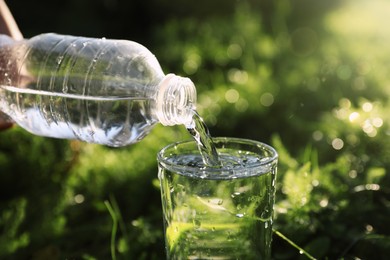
x=309 y=78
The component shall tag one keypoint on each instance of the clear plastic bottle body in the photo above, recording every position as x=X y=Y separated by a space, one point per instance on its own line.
x=96 y=90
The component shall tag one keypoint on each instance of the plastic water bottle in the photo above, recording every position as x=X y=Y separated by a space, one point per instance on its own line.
x=110 y=92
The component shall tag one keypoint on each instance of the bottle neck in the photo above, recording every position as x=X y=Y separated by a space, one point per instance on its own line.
x=175 y=101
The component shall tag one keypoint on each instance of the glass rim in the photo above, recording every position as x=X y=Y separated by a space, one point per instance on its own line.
x=163 y=160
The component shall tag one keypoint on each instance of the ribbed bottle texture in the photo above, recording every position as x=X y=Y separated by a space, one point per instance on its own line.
x=96 y=90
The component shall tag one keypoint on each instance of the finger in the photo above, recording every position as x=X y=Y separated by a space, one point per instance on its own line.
x=7 y=22
x=5 y=121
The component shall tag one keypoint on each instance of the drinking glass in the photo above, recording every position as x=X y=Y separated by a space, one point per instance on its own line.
x=218 y=212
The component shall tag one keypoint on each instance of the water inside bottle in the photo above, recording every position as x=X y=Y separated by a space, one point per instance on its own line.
x=113 y=121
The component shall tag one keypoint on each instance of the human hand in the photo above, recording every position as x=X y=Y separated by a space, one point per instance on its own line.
x=9 y=27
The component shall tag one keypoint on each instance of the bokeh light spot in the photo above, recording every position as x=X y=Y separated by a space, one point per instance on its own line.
x=190 y=67
x=234 y=51
x=337 y=144
x=377 y=122
x=324 y=203
x=238 y=76
x=267 y=99
x=79 y=198
x=353 y=116
x=232 y=95
x=367 y=107
x=369 y=228
x=345 y=103
x=344 y=72
x=352 y=174
x=318 y=135
x=369 y=129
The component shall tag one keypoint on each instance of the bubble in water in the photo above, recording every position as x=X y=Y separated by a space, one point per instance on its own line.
x=140 y=68
x=59 y=59
x=264 y=159
x=91 y=133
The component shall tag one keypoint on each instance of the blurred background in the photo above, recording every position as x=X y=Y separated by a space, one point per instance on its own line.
x=310 y=78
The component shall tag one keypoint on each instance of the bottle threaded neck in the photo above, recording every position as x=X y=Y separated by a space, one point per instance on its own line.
x=176 y=100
